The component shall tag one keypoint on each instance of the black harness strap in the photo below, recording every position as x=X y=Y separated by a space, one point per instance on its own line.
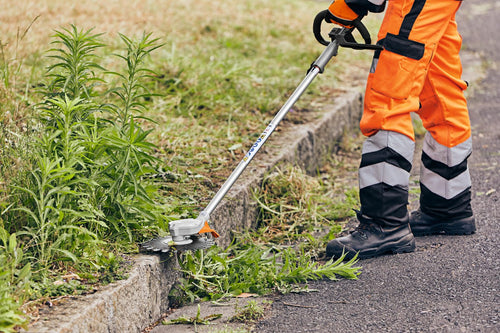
x=400 y=43
x=411 y=17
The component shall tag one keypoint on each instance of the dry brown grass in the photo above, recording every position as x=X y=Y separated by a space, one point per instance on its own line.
x=182 y=20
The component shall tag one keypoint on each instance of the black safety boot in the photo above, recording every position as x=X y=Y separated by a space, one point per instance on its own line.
x=422 y=224
x=370 y=239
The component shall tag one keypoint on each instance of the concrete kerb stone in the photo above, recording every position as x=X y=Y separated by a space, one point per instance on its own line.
x=124 y=306
x=132 y=304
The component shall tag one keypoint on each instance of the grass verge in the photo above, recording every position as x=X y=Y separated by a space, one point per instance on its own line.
x=100 y=151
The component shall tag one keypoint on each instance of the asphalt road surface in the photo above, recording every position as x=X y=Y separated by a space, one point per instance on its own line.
x=451 y=283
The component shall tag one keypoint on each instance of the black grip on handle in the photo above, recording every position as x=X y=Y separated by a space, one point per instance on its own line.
x=346 y=40
x=318 y=20
x=365 y=34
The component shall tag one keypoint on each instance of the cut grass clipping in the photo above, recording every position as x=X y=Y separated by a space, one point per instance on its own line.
x=295 y=206
x=251 y=312
x=197 y=320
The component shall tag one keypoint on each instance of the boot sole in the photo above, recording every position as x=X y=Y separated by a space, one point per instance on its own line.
x=446 y=228
x=442 y=232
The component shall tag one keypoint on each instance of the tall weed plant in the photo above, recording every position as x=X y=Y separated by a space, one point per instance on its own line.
x=85 y=194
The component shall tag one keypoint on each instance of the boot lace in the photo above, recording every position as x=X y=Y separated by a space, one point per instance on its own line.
x=364 y=228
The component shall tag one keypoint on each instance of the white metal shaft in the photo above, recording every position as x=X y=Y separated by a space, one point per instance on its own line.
x=261 y=140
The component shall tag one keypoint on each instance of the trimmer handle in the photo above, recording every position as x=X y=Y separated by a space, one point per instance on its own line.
x=344 y=36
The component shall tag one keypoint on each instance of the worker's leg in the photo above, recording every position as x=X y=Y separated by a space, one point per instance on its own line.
x=411 y=38
x=445 y=199
x=410 y=34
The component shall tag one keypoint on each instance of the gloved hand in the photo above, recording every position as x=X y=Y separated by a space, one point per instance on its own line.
x=340 y=13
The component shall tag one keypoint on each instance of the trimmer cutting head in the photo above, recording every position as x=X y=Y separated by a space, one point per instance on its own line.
x=185 y=235
x=167 y=244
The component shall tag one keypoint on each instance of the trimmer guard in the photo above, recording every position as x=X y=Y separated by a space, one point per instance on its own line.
x=186 y=234
x=166 y=244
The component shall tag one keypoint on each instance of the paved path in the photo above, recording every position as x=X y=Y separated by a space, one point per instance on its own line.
x=449 y=284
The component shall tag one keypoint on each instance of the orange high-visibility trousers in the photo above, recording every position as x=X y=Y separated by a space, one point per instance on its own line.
x=419 y=70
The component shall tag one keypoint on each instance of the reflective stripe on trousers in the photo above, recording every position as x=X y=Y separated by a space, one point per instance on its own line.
x=384 y=175
x=445 y=180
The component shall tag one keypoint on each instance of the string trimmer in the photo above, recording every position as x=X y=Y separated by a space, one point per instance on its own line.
x=193 y=234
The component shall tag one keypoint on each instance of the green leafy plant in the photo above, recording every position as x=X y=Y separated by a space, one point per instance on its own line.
x=132 y=90
x=74 y=72
x=246 y=267
x=51 y=222
x=114 y=153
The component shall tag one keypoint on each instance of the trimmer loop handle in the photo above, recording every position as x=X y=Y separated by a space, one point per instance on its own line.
x=344 y=36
